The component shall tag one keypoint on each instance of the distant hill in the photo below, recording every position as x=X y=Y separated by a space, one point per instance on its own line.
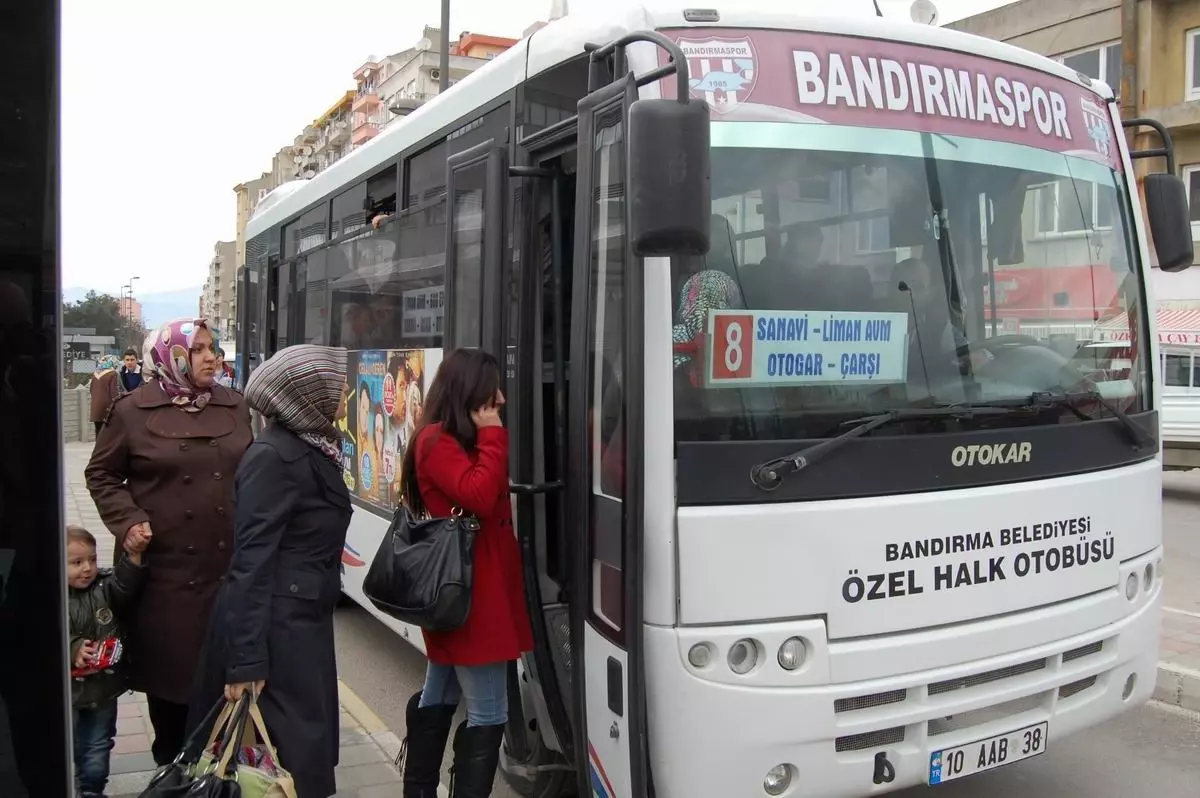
x=156 y=308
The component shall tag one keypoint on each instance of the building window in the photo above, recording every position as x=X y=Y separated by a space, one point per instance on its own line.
x=1072 y=206
x=1192 y=82
x=1101 y=63
x=1191 y=180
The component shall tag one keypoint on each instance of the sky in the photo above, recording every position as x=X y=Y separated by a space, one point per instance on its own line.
x=167 y=106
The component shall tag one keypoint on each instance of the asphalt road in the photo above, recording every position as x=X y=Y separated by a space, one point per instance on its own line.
x=1181 y=536
x=1152 y=751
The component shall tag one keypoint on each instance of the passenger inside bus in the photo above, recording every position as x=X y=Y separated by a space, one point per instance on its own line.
x=937 y=349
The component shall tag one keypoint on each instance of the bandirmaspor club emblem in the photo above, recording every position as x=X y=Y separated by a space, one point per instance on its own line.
x=1099 y=127
x=721 y=71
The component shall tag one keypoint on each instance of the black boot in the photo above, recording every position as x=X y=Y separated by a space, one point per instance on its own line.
x=476 y=755
x=420 y=759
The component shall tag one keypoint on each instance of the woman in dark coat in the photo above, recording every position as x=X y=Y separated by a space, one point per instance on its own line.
x=272 y=627
x=162 y=473
x=459 y=461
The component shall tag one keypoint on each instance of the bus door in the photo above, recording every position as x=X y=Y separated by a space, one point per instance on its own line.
x=540 y=750
x=604 y=460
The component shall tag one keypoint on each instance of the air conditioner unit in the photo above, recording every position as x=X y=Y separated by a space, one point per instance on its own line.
x=436 y=74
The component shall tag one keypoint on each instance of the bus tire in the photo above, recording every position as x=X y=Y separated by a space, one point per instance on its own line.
x=543 y=784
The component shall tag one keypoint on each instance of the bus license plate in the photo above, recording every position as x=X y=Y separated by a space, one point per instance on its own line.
x=1003 y=749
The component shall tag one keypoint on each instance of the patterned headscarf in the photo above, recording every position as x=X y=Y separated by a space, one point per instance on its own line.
x=148 y=372
x=704 y=291
x=107 y=362
x=300 y=387
x=170 y=359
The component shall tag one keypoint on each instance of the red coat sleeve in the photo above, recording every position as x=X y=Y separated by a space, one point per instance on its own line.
x=476 y=486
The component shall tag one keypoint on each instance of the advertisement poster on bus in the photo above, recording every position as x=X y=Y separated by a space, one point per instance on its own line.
x=386 y=401
x=369 y=432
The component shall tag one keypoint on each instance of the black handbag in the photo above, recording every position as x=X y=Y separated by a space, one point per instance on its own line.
x=423 y=570
x=176 y=779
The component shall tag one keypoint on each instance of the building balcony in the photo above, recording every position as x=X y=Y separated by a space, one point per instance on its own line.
x=339 y=131
x=365 y=100
x=364 y=132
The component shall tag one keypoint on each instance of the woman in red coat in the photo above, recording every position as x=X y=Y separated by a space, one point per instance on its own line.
x=458 y=461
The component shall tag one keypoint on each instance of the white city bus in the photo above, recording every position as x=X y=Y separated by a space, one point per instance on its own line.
x=809 y=504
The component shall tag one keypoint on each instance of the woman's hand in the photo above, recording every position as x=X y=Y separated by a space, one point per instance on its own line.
x=235 y=691
x=138 y=538
x=487 y=416
x=86 y=654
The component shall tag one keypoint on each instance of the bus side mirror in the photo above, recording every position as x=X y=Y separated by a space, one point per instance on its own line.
x=668 y=184
x=1170 y=227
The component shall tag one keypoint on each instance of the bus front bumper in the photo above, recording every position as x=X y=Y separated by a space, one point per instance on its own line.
x=718 y=738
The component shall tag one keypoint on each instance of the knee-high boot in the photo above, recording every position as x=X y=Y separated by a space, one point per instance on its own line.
x=420 y=759
x=476 y=755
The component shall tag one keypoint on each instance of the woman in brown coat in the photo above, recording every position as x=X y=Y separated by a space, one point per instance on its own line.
x=162 y=471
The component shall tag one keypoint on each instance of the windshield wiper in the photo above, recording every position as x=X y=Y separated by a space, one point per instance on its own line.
x=769 y=475
x=1071 y=399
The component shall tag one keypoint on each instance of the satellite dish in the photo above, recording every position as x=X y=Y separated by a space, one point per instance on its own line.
x=923 y=12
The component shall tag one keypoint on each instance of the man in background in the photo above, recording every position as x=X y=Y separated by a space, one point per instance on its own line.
x=130 y=373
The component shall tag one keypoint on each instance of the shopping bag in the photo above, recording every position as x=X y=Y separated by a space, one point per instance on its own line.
x=247 y=757
x=176 y=779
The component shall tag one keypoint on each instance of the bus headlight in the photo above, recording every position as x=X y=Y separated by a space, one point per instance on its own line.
x=1149 y=576
x=777 y=780
x=791 y=653
x=700 y=655
x=743 y=656
x=1131 y=586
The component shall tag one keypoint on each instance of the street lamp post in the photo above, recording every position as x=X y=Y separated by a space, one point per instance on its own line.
x=444 y=59
x=128 y=314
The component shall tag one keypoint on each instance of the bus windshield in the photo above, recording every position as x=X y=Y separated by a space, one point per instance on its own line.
x=855 y=270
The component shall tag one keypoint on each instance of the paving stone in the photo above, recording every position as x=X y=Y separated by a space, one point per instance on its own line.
x=366 y=754
x=131 y=744
x=131 y=763
x=356 y=776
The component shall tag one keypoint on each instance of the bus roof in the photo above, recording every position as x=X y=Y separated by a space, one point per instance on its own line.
x=565 y=38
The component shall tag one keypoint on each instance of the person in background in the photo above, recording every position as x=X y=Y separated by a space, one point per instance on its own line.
x=161 y=475
x=947 y=354
x=458 y=460
x=131 y=371
x=272 y=625
x=103 y=389
x=112 y=380
x=97 y=602
x=224 y=376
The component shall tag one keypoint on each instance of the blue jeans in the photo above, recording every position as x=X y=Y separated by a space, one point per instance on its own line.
x=94 y=730
x=485 y=687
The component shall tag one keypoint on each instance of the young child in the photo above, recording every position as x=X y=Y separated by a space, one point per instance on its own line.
x=96 y=601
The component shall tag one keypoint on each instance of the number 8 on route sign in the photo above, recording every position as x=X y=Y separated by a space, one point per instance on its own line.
x=732 y=345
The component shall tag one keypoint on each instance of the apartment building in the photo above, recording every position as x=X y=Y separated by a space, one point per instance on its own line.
x=388 y=88
x=130 y=309
x=1086 y=35
x=220 y=289
x=326 y=140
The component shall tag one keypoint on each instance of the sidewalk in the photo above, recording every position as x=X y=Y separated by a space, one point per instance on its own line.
x=1179 y=659
x=368 y=748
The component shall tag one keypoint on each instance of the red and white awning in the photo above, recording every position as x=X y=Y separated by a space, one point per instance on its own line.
x=1175 y=327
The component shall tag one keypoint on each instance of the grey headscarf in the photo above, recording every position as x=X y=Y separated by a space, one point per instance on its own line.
x=301 y=387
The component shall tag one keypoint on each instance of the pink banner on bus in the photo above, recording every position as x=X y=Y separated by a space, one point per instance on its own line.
x=770 y=75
